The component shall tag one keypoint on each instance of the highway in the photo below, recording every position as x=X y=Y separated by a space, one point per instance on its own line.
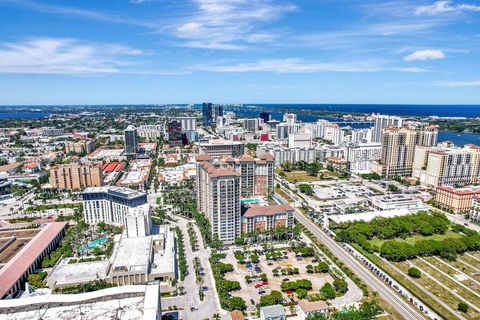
x=384 y=291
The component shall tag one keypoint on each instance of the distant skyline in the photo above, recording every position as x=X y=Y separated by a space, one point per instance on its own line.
x=234 y=51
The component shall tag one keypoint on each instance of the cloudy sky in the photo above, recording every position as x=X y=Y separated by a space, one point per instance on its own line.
x=232 y=51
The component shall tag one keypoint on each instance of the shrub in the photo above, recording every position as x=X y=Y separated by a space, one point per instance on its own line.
x=414 y=273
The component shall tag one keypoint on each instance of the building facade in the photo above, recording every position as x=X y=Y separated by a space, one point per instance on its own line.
x=131 y=141
x=381 y=122
x=257 y=174
x=265 y=218
x=218 y=189
x=220 y=148
x=118 y=205
x=75 y=176
x=80 y=147
x=455 y=200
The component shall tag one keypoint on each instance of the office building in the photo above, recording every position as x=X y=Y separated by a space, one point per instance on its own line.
x=265 y=116
x=264 y=218
x=381 y=122
x=118 y=205
x=75 y=176
x=175 y=135
x=217 y=111
x=218 y=189
x=207 y=114
x=80 y=147
x=131 y=142
x=257 y=175
x=220 y=148
x=186 y=123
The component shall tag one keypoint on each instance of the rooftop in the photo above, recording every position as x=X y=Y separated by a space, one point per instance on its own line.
x=24 y=258
x=316 y=306
x=115 y=191
x=268 y=210
x=133 y=254
x=273 y=311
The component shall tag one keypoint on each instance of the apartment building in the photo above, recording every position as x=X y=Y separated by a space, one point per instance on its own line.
x=257 y=175
x=218 y=189
x=75 y=176
x=186 y=123
x=299 y=140
x=381 y=122
x=264 y=218
x=283 y=154
x=150 y=131
x=398 y=150
x=361 y=155
x=456 y=200
x=438 y=166
x=80 y=147
x=118 y=205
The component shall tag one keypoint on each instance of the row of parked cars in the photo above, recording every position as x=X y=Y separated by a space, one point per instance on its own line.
x=386 y=278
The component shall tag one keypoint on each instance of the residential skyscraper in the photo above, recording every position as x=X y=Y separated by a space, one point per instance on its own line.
x=381 y=122
x=175 y=136
x=131 y=141
x=218 y=197
x=398 y=149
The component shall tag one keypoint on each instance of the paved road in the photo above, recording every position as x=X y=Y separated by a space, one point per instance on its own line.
x=210 y=305
x=403 y=307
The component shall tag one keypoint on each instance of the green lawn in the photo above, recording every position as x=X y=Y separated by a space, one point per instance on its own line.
x=283 y=194
x=413 y=239
x=298 y=176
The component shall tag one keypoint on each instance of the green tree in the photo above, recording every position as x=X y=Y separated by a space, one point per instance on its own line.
x=327 y=291
x=463 y=307
x=414 y=273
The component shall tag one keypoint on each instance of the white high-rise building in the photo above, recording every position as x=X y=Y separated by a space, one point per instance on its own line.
x=148 y=131
x=118 y=205
x=361 y=155
x=299 y=140
x=285 y=129
x=290 y=118
x=383 y=121
x=187 y=123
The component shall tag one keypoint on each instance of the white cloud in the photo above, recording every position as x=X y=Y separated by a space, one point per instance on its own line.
x=427 y=54
x=296 y=65
x=441 y=7
x=63 y=56
x=455 y=84
x=229 y=24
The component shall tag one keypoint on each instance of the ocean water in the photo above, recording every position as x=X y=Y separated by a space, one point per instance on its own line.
x=458 y=138
x=23 y=115
x=469 y=111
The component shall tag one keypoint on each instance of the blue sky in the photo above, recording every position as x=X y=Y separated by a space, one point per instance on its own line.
x=232 y=51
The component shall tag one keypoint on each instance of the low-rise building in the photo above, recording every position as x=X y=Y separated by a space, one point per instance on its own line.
x=80 y=147
x=306 y=308
x=264 y=218
x=275 y=312
x=220 y=148
x=455 y=200
x=396 y=201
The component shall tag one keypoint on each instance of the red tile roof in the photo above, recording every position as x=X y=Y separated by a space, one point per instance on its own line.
x=267 y=210
x=17 y=266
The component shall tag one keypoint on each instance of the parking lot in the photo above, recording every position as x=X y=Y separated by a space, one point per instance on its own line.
x=253 y=291
x=343 y=191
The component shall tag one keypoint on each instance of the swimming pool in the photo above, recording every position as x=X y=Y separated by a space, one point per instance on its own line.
x=93 y=244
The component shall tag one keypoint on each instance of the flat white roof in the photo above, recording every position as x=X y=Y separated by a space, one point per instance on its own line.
x=133 y=254
x=78 y=272
x=368 y=216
